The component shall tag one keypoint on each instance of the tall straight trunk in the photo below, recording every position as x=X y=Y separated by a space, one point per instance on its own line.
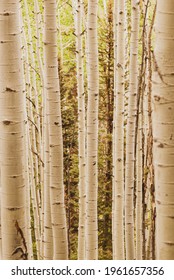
x=12 y=131
x=34 y=200
x=118 y=137
x=38 y=115
x=150 y=140
x=130 y=134
x=30 y=132
x=92 y=133
x=39 y=111
x=139 y=180
x=81 y=128
x=27 y=179
x=52 y=89
x=163 y=128
x=143 y=99
x=35 y=120
x=28 y=196
x=48 y=234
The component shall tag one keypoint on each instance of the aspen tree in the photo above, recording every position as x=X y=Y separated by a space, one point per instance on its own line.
x=39 y=115
x=27 y=180
x=142 y=130
x=118 y=136
x=139 y=180
x=163 y=128
x=28 y=201
x=81 y=123
x=35 y=120
x=130 y=134
x=51 y=87
x=152 y=207
x=47 y=228
x=12 y=131
x=40 y=111
x=48 y=234
x=27 y=175
x=143 y=96
x=30 y=131
x=28 y=188
x=92 y=133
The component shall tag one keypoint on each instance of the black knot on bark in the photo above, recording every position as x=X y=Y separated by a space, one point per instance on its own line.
x=6 y=122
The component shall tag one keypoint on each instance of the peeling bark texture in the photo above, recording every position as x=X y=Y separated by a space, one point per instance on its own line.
x=12 y=133
x=163 y=128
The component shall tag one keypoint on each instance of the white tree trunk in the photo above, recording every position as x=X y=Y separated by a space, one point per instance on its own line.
x=118 y=136
x=130 y=134
x=92 y=133
x=81 y=127
x=51 y=87
x=12 y=131
x=48 y=233
x=139 y=181
x=163 y=127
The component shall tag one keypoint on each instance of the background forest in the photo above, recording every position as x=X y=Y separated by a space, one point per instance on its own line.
x=86 y=129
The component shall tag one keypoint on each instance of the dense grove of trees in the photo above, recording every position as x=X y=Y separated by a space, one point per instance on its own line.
x=86 y=129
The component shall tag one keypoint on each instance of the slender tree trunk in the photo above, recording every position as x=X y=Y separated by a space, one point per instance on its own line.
x=30 y=133
x=150 y=140
x=130 y=134
x=48 y=235
x=81 y=124
x=163 y=127
x=92 y=133
x=118 y=137
x=58 y=215
x=28 y=196
x=12 y=131
x=139 y=180
x=143 y=94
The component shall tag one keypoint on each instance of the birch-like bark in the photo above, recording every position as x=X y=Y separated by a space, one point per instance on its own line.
x=143 y=93
x=92 y=133
x=48 y=234
x=12 y=131
x=118 y=136
x=130 y=134
x=81 y=128
x=139 y=180
x=28 y=196
x=163 y=127
x=39 y=114
x=51 y=87
x=30 y=132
